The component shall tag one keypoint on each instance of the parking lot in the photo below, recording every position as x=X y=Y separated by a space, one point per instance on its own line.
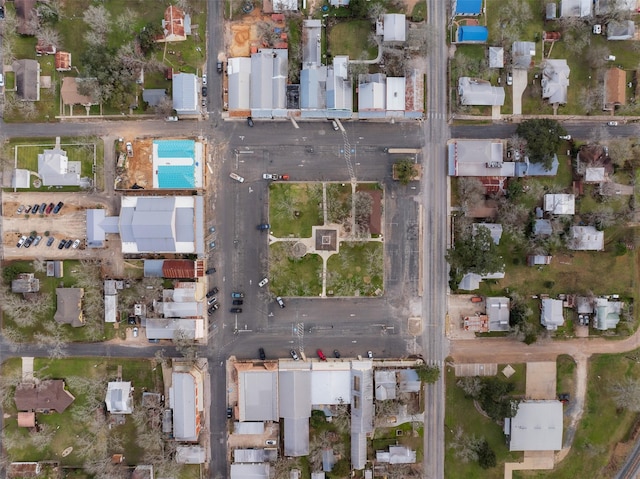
x=68 y=224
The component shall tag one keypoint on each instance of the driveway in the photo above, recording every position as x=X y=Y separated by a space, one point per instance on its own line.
x=519 y=85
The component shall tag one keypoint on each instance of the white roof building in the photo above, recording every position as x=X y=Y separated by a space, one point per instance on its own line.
x=185 y=94
x=555 y=81
x=586 y=238
x=239 y=74
x=187 y=402
x=473 y=91
x=560 y=204
x=496 y=57
x=607 y=314
x=575 y=8
x=119 y=399
x=478 y=158
x=551 y=314
x=55 y=169
x=537 y=426
x=394 y=27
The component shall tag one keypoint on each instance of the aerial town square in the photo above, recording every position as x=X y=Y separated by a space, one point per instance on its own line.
x=319 y=239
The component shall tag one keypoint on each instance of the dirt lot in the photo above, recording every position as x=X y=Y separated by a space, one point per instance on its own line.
x=137 y=169
x=242 y=34
x=70 y=223
x=541 y=380
x=460 y=305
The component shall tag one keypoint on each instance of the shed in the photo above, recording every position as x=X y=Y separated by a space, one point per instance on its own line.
x=551 y=11
x=467 y=8
x=560 y=204
x=522 y=54
x=496 y=57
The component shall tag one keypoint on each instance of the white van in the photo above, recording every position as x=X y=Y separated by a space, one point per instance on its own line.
x=236 y=177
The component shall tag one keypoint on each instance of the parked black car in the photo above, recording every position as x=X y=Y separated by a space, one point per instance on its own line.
x=210 y=271
x=68 y=244
x=229 y=412
x=62 y=244
x=237 y=302
x=58 y=207
x=336 y=353
x=261 y=354
x=30 y=240
x=212 y=292
x=204 y=91
x=235 y=310
x=35 y=209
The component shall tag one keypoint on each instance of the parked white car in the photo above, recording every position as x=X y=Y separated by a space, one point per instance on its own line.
x=263 y=282
x=237 y=177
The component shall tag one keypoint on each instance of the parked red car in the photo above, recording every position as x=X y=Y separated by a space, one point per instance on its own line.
x=321 y=355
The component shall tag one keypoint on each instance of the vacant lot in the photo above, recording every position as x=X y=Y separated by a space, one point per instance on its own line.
x=352 y=38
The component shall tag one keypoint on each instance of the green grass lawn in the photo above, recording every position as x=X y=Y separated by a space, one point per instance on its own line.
x=294 y=208
x=294 y=277
x=66 y=426
x=352 y=38
x=565 y=378
x=48 y=286
x=602 y=425
x=356 y=271
x=461 y=413
x=78 y=149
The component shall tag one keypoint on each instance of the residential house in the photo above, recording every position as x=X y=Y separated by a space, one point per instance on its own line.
x=498 y=312
x=63 y=61
x=496 y=57
x=185 y=94
x=621 y=30
x=119 y=398
x=182 y=301
x=55 y=169
x=537 y=426
x=607 y=313
x=555 y=80
x=154 y=96
x=575 y=8
x=472 y=34
x=26 y=16
x=551 y=315
x=397 y=455
x=43 y=396
x=585 y=309
x=495 y=230
x=186 y=399
x=71 y=96
x=25 y=283
x=69 y=307
x=392 y=27
x=27 y=73
x=608 y=7
x=586 y=238
x=542 y=228
x=473 y=91
x=596 y=158
x=522 y=54
x=560 y=204
x=467 y=8
x=538 y=259
x=471 y=281
x=176 y=26
x=239 y=78
x=615 y=88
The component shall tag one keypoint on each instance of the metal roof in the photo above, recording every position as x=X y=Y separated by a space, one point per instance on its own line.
x=472 y=34
x=521 y=54
x=239 y=75
x=250 y=471
x=495 y=230
x=395 y=27
x=555 y=81
x=396 y=91
x=560 y=204
x=498 y=313
x=537 y=426
x=185 y=94
x=586 y=238
x=313 y=87
x=468 y=7
x=119 y=399
x=478 y=158
x=339 y=88
x=551 y=315
x=258 y=395
x=296 y=436
x=473 y=91
x=294 y=393
x=184 y=403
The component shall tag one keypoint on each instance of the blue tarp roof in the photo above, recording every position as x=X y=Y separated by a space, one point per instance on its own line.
x=468 y=7
x=473 y=34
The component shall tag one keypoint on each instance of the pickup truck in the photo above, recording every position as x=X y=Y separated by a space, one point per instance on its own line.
x=274 y=177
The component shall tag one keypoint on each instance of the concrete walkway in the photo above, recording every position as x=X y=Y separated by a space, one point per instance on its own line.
x=27 y=369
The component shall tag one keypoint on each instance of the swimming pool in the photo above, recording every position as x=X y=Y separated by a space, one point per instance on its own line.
x=176 y=148
x=176 y=177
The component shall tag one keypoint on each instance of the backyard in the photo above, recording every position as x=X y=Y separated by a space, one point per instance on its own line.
x=33 y=320
x=86 y=150
x=122 y=21
x=91 y=437
x=352 y=38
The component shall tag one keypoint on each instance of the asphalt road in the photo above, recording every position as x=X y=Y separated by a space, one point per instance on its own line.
x=434 y=218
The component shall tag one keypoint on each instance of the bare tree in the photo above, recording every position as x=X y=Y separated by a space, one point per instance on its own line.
x=98 y=18
x=471 y=385
x=49 y=36
x=626 y=394
x=576 y=35
x=513 y=16
x=94 y=38
x=620 y=150
x=471 y=192
x=591 y=99
x=126 y=21
x=376 y=10
x=464 y=446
